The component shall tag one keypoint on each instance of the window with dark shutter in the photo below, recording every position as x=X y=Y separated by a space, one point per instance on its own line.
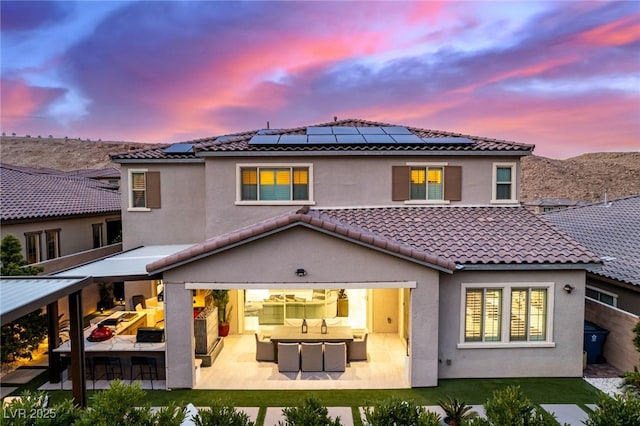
x=400 y=183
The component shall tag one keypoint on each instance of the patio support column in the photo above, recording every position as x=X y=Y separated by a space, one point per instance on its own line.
x=54 y=340
x=79 y=386
x=178 y=325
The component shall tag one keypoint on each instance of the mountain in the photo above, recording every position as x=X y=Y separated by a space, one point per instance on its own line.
x=583 y=178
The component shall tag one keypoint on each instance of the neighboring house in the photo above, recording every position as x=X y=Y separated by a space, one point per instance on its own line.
x=612 y=231
x=424 y=229
x=543 y=205
x=109 y=175
x=60 y=220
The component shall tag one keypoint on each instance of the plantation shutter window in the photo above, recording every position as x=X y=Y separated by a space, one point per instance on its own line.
x=138 y=190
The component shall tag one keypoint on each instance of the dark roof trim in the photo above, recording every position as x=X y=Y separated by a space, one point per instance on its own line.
x=528 y=266
x=156 y=160
x=352 y=153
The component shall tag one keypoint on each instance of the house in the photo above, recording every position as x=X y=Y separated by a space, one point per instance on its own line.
x=60 y=220
x=423 y=229
x=543 y=205
x=56 y=215
x=610 y=229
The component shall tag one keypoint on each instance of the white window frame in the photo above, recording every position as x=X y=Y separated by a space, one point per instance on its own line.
x=441 y=165
x=130 y=207
x=608 y=293
x=494 y=183
x=240 y=202
x=505 y=325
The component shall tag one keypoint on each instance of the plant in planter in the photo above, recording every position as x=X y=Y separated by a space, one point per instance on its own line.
x=456 y=411
x=105 y=291
x=221 y=300
x=343 y=303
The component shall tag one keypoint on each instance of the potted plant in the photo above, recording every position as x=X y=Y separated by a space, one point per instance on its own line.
x=456 y=411
x=105 y=290
x=221 y=300
x=343 y=303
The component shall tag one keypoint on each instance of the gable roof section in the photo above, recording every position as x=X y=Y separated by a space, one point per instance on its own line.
x=29 y=193
x=239 y=143
x=310 y=219
x=444 y=238
x=610 y=230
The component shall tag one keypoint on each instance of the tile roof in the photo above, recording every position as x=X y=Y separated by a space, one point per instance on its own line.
x=239 y=142
x=106 y=173
x=29 y=193
x=446 y=237
x=611 y=230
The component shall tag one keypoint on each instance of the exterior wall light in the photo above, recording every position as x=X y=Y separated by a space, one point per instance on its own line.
x=301 y=272
x=568 y=288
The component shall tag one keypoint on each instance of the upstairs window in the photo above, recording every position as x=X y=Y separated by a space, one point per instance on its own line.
x=427 y=183
x=504 y=184
x=96 y=231
x=52 y=237
x=274 y=183
x=144 y=190
x=423 y=183
x=32 y=247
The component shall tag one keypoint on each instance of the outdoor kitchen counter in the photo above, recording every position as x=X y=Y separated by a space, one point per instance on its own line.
x=124 y=339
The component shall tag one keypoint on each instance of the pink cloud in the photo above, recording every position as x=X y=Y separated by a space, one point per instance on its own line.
x=20 y=100
x=617 y=33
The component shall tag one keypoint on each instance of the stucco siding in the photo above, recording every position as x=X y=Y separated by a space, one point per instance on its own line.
x=337 y=182
x=618 y=349
x=181 y=216
x=628 y=296
x=562 y=360
x=76 y=234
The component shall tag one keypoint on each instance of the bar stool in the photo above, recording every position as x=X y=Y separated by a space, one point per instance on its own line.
x=111 y=366
x=146 y=365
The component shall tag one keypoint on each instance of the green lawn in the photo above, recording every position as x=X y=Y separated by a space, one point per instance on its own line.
x=472 y=391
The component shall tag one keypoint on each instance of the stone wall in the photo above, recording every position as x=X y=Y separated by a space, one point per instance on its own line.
x=618 y=348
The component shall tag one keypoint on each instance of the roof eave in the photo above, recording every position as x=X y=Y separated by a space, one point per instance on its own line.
x=527 y=266
x=518 y=153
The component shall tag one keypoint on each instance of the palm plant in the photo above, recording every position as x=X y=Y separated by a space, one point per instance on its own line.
x=456 y=411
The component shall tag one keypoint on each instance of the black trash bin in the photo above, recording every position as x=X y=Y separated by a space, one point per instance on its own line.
x=594 y=337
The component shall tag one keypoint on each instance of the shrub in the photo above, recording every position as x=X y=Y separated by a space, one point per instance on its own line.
x=220 y=413
x=121 y=405
x=511 y=407
x=308 y=413
x=620 y=410
x=395 y=411
x=24 y=411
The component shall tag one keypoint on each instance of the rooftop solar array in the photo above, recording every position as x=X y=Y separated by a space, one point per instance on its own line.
x=349 y=135
x=179 y=148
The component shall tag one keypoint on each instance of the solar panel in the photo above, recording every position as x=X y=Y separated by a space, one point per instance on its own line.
x=179 y=148
x=380 y=139
x=344 y=130
x=268 y=131
x=448 y=141
x=225 y=138
x=293 y=140
x=319 y=131
x=321 y=139
x=264 y=140
x=351 y=139
x=408 y=139
x=370 y=130
x=396 y=130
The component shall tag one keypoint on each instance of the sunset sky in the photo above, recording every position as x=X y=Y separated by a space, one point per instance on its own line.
x=563 y=75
